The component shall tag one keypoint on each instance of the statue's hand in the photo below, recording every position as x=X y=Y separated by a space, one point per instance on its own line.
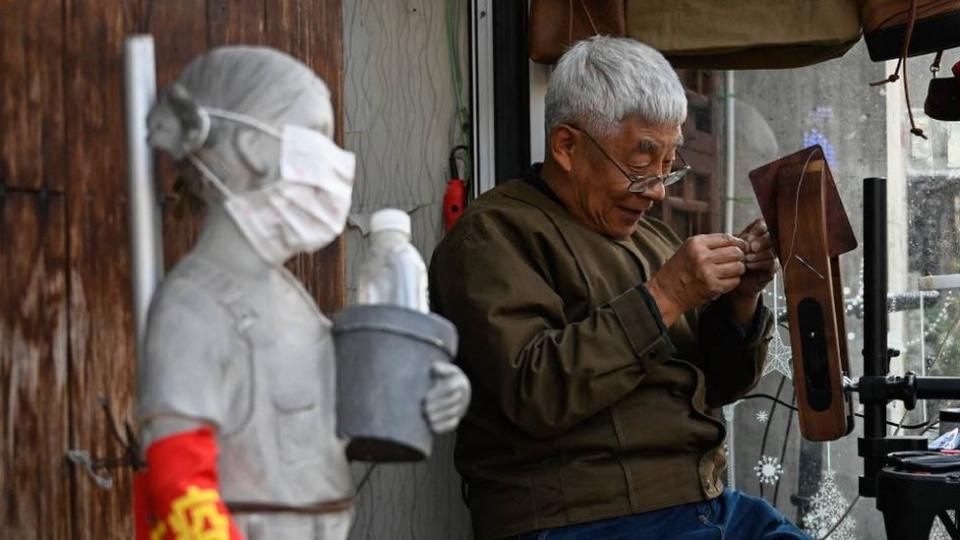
x=448 y=398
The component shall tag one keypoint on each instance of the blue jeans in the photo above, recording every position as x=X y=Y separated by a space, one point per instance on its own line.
x=731 y=516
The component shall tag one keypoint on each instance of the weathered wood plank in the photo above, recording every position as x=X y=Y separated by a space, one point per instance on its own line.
x=179 y=28
x=281 y=26
x=313 y=31
x=33 y=368
x=235 y=22
x=101 y=325
x=319 y=27
x=31 y=94
x=101 y=355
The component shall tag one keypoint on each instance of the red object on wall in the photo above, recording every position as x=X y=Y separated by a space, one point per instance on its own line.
x=455 y=197
x=454 y=201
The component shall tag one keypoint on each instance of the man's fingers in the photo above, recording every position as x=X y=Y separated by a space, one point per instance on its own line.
x=760 y=243
x=730 y=270
x=719 y=240
x=726 y=285
x=764 y=255
x=754 y=228
x=748 y=229
x=766 y=266
x=726 y=254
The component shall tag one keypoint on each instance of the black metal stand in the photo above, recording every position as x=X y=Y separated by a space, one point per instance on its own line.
x=909 y=500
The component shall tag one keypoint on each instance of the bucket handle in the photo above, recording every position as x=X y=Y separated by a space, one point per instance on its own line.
x=436 y=342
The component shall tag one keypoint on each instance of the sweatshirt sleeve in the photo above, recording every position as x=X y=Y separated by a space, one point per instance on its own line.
x=732 y=357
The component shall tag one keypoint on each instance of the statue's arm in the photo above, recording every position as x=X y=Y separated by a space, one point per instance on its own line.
x=180 y=413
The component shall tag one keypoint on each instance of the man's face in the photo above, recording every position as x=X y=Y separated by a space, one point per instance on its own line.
x=601 y=199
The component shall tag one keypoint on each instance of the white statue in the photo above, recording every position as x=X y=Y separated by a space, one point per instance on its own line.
x=237 y=387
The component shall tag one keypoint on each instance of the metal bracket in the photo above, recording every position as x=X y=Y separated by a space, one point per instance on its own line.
x=96 y=469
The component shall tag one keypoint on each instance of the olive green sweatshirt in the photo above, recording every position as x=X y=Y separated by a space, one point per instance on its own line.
x=585 y=406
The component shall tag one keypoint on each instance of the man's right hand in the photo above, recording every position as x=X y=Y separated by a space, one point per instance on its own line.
x=705 y=267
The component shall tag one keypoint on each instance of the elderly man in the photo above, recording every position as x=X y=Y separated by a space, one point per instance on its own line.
x=599 y=345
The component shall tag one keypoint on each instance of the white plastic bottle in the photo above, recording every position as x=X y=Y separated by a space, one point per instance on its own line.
x=392 y=272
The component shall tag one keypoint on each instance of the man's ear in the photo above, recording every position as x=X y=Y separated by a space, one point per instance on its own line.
x=248 y=145
x=561 y=143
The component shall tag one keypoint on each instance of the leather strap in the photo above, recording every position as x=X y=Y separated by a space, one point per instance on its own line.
x=902 y=61
x=325 y=507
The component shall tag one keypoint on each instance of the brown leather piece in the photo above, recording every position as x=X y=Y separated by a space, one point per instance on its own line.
x=810 y=229
x=875 y=14
x=555 y=25
x=943 y=99
x=766 y=178
x=325 y=507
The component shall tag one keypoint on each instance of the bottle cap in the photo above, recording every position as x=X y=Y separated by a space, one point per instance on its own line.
x=390 y=219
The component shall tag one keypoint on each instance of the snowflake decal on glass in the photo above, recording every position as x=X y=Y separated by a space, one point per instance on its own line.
x=938 y=532
x=768 y=470
x=779 y=355
x=821 y=115
x=762 y=416
x=827 y=507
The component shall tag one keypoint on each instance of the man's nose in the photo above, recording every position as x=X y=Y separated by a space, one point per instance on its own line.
x=656 y=193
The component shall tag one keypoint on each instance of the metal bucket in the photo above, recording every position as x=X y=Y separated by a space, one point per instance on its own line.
x=384 y=354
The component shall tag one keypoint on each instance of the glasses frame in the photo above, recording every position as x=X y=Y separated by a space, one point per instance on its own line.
x=640 y=183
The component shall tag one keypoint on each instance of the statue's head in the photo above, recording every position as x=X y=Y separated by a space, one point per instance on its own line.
x=251 y=128
x=257 y=82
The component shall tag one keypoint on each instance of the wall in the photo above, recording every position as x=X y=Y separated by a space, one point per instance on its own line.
x=400 y=109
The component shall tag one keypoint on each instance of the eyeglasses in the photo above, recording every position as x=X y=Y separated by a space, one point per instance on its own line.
x=640 y=183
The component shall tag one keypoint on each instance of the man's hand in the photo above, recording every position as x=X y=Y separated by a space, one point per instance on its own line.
x=705 y=267
x=762 y=265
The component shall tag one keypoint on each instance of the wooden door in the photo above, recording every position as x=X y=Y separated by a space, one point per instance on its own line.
x=66 y=324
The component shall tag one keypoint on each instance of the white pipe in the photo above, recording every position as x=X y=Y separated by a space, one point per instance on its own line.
x=730 y=418
x=730 y=410
x=481 y=91
x=730 y=148
x=146 y=247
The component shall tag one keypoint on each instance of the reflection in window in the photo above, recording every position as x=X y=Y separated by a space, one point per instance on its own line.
x=862 y=131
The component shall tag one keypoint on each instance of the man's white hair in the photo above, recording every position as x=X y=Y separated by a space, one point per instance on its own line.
x=604 y=80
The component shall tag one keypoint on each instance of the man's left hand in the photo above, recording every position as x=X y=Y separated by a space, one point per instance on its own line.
x=761 y=262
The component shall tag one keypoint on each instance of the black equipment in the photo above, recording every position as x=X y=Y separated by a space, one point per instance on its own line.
x=911 y=486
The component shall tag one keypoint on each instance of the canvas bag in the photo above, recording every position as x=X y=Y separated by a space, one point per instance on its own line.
x=745 y=34
x=555 y=25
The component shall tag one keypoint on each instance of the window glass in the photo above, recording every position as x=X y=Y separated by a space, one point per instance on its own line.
x=864 y=132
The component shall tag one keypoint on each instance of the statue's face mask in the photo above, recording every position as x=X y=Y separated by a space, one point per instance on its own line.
x=304 y=210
